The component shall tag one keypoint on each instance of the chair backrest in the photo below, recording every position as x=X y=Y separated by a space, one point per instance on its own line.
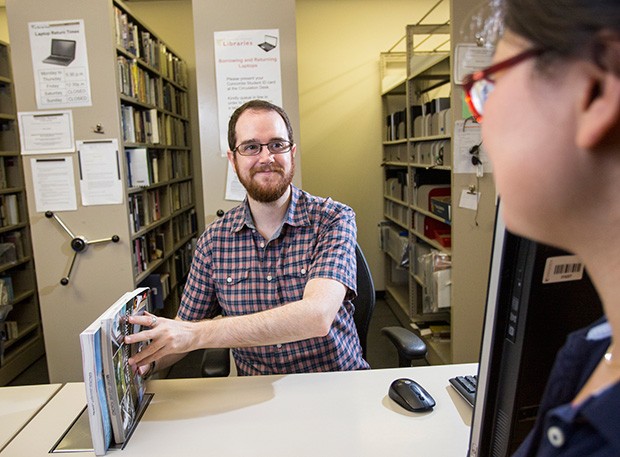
x=365 y=300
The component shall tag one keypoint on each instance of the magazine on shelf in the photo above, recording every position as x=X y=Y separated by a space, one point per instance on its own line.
x=114 y=392
x=124 y=386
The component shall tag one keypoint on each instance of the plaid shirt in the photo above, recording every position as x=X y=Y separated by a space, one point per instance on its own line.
x=235 y=272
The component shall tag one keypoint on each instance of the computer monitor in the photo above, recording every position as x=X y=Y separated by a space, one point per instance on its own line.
x=536 y=296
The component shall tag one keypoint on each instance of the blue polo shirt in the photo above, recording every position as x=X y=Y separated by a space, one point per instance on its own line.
x=592 y=428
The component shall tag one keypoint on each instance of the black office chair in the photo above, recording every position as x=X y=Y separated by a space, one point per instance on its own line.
x=216 y=362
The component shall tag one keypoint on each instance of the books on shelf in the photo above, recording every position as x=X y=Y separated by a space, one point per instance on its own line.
x=3 y=178
x=148 y=248
x=160 y=287
x=139 y=42
x=12 y=329
x=9 y=210
x=136 y=212
x=138 y=124
x=137 y=161
x=114 y=390
x=8 y=253
x=181 y=195
x=154 y=126
x=7 y=295
x=15 y=239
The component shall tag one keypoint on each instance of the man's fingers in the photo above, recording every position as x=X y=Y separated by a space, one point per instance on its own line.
x=145 y=320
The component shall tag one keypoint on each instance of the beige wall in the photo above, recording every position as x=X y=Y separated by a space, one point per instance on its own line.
x=211 y=16
x=4 y=27
x=338 y=45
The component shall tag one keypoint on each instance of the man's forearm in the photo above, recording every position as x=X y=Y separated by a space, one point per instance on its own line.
x=307 y=318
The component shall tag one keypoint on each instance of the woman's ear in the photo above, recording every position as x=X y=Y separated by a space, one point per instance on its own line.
x=600 y=111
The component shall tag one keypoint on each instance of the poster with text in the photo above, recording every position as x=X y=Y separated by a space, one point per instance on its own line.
x=60 y=64
x=247 y=67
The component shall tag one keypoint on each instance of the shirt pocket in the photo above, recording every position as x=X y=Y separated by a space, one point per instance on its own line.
x=232 y=288
x=292 y=280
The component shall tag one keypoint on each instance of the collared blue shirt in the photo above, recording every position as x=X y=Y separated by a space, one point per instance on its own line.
x=590 y=429
x=235 y=271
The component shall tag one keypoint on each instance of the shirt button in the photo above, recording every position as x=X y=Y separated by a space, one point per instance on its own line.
x=555 y=435
x=303 y=271
x=279 y=346
x=262 y=245
x=269 y=278
x=229 y=280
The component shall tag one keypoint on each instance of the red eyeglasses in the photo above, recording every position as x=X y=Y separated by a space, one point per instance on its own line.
x=479 y=85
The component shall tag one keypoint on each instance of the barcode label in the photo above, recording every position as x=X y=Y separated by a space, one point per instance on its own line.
x=563 y=268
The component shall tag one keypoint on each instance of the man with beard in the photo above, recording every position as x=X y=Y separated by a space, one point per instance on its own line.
x=280 y=268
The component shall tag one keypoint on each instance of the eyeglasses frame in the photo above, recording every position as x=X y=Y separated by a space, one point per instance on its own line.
x=473 y=78
x=236 y=150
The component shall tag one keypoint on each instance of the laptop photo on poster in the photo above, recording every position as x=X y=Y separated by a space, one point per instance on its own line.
x=270 y=43
x=62 y=52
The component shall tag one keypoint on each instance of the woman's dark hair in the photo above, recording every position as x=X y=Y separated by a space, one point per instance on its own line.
x=565 y=28
x=256 y=105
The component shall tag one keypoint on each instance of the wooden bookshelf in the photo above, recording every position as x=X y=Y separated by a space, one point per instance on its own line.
x=140 y=98
x=20 y=329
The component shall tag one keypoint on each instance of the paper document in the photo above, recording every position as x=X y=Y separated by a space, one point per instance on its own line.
x=234 y=189
x=46 y=132
x=54 y=185
x=100 y=172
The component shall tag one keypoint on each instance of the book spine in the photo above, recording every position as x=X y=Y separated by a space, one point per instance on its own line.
x=92 y=399
x=108 y=347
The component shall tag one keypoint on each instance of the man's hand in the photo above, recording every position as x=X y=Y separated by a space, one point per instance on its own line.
x=169 y=338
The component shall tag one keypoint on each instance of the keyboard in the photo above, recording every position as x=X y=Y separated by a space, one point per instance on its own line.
x=466 y=386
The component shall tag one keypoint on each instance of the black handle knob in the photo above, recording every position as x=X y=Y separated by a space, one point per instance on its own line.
x=78 y=244
x=219 y=213
x=64 y=281
x=49 y=214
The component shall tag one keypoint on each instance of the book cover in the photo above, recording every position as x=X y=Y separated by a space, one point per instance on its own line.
x=12 y=209
x=6 y=290
x=155 y=126
x=124 y=386
x=92 y=367
x=138 y=166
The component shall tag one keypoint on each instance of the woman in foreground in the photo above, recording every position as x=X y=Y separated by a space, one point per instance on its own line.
x=550 y=112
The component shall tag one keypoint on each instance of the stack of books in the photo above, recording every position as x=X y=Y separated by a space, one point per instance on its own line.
x=115 y=392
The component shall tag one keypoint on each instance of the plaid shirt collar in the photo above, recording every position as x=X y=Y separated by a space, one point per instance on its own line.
x=296 y=214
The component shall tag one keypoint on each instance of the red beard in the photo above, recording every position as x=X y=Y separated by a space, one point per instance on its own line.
x=270 y=192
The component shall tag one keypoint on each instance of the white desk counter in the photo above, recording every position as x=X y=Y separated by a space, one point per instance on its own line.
x=327 y=414
x=18 y=405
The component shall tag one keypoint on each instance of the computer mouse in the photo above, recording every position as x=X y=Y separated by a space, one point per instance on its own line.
x=411 y=395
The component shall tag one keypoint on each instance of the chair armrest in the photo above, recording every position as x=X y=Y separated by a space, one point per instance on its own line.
x=409 y=345
x=215 y=363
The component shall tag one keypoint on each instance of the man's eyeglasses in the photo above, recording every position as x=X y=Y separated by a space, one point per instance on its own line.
x=254 y=147
x=479 y=85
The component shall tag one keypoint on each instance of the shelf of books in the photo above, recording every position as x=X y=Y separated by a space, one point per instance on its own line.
x=154 y=105
x=21 y=340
